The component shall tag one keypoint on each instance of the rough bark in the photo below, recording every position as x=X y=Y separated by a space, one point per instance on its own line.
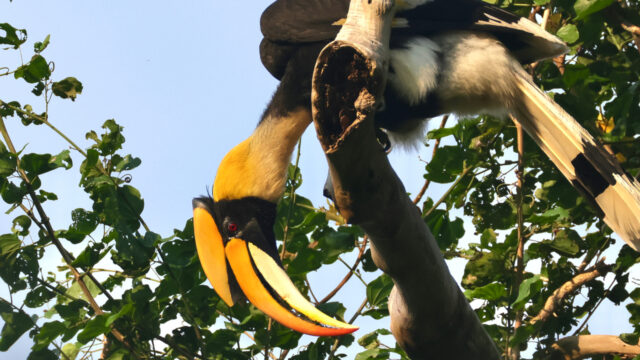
x=430 y=317
x=583 y=346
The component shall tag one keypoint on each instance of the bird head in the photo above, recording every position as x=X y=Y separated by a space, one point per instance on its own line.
x=236 y=242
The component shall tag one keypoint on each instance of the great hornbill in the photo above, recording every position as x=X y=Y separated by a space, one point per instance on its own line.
x=460 y=56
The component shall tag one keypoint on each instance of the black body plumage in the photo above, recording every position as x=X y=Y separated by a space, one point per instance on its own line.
x=455 y=56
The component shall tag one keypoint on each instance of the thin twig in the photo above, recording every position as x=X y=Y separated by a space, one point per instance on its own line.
x=68 y=258
x=353 y=318
x=593 y=310
x=35 y=325
x=514 y=351
x=189 y=315
x=449 y=191
x=433 y=154
x=175 y=346
x=292 y=201
x=349 y=274
x=306 y=281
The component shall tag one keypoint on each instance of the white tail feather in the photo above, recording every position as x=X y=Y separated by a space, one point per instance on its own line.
x=585 y=163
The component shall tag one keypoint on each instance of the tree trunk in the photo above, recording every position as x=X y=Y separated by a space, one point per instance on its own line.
x=430 y=317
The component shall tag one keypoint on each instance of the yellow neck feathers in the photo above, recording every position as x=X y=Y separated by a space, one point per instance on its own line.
x=258 y=166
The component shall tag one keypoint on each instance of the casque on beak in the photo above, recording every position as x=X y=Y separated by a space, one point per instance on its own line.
x=239 y=258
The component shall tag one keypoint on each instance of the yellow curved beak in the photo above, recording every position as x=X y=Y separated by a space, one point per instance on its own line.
x=211 y=253
x=238 y=252
x=242 y=256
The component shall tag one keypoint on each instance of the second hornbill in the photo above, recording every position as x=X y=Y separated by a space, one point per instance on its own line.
x=460 y=56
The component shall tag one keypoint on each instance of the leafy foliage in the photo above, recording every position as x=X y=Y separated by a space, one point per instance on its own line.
x=159 y=279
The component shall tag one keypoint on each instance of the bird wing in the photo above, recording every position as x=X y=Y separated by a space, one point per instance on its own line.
x=581 y=159
x=290 y=24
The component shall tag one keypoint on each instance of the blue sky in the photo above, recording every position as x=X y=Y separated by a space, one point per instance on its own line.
x=186 y=82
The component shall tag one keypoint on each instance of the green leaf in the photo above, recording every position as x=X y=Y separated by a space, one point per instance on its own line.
x=522 y=334
x=566 y=242
x=528 y=288
x=68 y=88
x=120 y=354
x=484 y=268
x=440 y=133
x=94 y=327
x=88 y=166
x=9 y=244
x=91 y=255
x=48 y=332
x=491 y=292
x=178 y=253
x=334 y=308
x=627 y=257
x=71 y=351
x=36 y=70
x=379 y=289
x=550 y=216
x=130 y=203
x=12 y=36
x=8 y=161
x=127 y=163
x=335 y=243
x=45 y=195
x=39 y=47
x=373 y=354
x=369 y=340
x=38 y=164
x=16 y=323
x=110 y=141
x=568 y=33
x=445 y=231
x=38 y=297
x=306 y=260
x=101 y=324
x=42 y=354
x=584 y=8
x=13 y=194
x=75 y=291
x=367 y=262
x=488 y=237
x=22 y=221
x=630 y=338
x=447 y=164
x=84 y=223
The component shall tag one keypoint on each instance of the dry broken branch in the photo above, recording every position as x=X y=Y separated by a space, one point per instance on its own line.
x=583 y=346
x=568 y=288
x=430 y=317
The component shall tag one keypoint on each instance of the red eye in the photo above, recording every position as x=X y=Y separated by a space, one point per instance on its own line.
x=232 y=227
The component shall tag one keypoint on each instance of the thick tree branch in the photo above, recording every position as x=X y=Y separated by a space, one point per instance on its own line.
x=430 y=317
x=568 y=288
x=583 y=346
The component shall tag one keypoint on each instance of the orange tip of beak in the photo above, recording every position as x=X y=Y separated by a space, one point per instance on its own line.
x=239 y=258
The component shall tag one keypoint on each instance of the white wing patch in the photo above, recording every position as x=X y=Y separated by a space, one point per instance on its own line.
x=415 y=69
